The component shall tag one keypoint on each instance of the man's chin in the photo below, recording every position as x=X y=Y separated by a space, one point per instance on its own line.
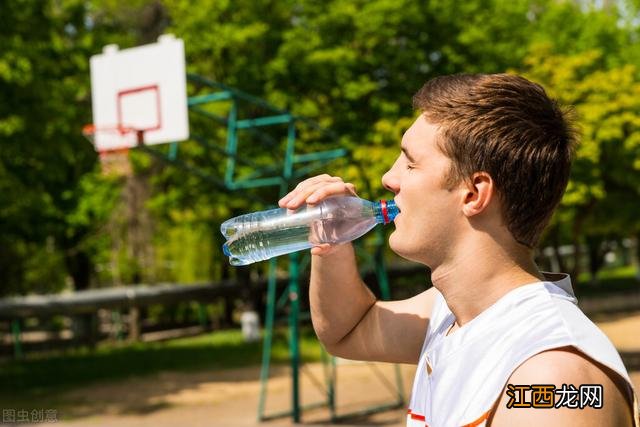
x=402 y=249
x=396 y=244
x=393 y=240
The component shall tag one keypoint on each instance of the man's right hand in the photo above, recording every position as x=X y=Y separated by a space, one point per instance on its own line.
x=314 y=190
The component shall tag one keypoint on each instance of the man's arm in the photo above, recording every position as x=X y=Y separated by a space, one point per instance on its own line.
x=565 y=366
x=352 y=324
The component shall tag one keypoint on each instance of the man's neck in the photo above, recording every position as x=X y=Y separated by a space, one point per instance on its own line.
x=480 y=275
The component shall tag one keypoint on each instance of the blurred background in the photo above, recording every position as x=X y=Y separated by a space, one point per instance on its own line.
x=118 y=306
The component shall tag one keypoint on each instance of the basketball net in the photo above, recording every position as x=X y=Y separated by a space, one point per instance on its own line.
x=113 y=162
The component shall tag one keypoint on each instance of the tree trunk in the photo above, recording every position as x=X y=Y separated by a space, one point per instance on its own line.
x=576 y=232
x=78 y=266
x=555 y=242
x=577 y=254
x=134 y=324
x=635 y=254
x=139 y=227
x=85 y=326
x=596 y=256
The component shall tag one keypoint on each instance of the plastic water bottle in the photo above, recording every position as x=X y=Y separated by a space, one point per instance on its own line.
x=262 y=235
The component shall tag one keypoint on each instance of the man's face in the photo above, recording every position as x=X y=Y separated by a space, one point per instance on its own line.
x=426 y=226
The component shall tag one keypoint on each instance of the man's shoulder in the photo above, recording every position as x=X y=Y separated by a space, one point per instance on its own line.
x=567 y=368
x=560 y=364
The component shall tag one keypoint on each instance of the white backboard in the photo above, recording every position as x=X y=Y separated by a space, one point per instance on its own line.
x=142 y=88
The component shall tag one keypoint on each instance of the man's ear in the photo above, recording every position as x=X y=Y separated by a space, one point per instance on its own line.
x=478 y=193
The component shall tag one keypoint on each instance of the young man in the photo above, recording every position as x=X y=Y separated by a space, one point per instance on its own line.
x=496 y=341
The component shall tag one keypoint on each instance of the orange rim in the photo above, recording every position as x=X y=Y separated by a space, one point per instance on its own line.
x=91 y=129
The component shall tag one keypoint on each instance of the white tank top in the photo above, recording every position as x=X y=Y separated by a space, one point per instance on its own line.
x=470 y=367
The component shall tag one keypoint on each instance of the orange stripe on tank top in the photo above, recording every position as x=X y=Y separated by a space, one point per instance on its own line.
x=477 y=422
x=415 y=416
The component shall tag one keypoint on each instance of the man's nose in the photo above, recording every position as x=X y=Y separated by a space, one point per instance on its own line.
x=390 y=181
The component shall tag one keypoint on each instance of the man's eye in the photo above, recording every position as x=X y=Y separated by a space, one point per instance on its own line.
x=409 y=167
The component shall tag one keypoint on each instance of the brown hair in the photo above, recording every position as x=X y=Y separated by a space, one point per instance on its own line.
x=506 y=126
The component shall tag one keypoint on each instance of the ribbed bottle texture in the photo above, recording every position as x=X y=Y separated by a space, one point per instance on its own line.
x=262 y=235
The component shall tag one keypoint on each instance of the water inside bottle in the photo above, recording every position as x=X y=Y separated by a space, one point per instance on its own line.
x=267 y=243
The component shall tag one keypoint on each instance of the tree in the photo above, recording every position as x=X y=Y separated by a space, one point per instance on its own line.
x=601 y=197
x=44 y=82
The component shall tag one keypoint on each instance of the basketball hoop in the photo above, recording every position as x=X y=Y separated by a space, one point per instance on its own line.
x=138 y=97
x=115 y=161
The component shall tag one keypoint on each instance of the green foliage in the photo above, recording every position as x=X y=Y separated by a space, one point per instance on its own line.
x=44 y=87
x=351 y=66
x=183 y=252
x=605 y=182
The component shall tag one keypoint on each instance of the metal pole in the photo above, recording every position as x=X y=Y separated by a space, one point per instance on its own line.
x=328 y=365
x=294 y=345
x=294 y=291
x=17 y=344
x=232 y=143
x=202 y=315
x=268 y=335
x=173 y=151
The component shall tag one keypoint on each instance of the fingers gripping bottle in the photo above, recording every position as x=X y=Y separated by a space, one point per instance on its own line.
x=262 y=235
